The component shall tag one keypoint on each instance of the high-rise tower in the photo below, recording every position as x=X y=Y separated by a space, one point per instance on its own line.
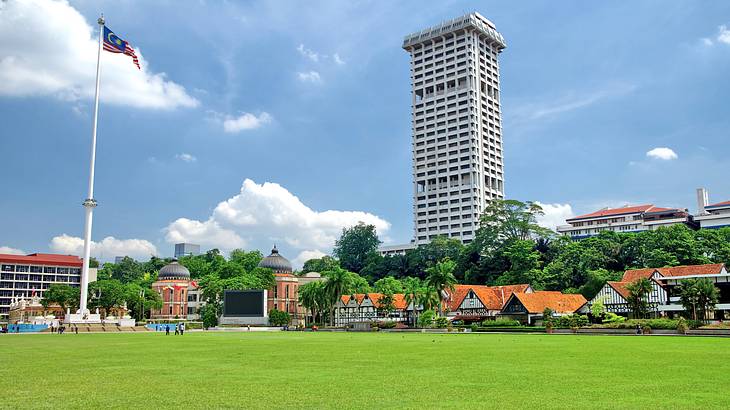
x=456 y=124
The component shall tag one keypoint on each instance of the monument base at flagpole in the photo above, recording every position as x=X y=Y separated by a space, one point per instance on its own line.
x=79 y=318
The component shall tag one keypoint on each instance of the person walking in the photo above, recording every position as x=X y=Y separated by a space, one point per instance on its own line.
x=177 y=329
x=76 y=329
x=167 y=330
x=182 y=328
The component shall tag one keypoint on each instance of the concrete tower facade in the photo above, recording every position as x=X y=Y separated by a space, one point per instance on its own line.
x=456 y=124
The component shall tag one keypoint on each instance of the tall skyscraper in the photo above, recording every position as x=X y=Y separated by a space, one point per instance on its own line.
x=456 y=124
x=186 y=249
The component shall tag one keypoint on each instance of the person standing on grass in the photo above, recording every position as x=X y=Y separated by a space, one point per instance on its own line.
x=182 y=328
x=167 y=330
x=177 y=329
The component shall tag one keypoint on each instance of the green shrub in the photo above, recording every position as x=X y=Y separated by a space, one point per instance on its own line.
x=441 y=322
x=609 y=317
x=386 y=324
x=425 y=320
x=474 y=327
x=278 y=318
x=665 y=324
x=571 y=321
x=501 y=323
x=209 y=315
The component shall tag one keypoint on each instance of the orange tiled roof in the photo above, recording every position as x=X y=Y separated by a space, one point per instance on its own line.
x=632 y=275
x=399 y=300
x=618 y=211
x=620 y=287
x=536 y=302
x=726 y=203
x=345 y=299
x=686 y=270
x=457 y=296
x=43 y=259
x=493 y=297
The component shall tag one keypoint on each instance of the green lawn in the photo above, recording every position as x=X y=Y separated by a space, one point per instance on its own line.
x=362 y=370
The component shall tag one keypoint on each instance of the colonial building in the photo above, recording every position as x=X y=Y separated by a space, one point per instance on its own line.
x=173 y=284
x=625 y=219
x=364 y=307
x=529 y=307
x=664 y=298
x=474 y=303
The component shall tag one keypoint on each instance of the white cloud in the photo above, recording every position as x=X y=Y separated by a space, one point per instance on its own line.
x=555 y=214
x=304 y=256
x=309 y=77
x=268 y=213
x=312 y=55
x=723 y=36
x=338 y=59
x=11 y=251
x=186 y=157
x=662 y=153
x=107 y=249
x=47 y=48
x=245 y=121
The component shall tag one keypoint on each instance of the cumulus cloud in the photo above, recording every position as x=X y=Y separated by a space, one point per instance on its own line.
x=307 y=53
x=722 y=36
x=186 y=157
x=662 y=153
x=304 y=256
x=47 y=48
x=268 y=213
x=555 y=215
x=107 y=249
x=245 y=121
x=309 y=77
x=11 y=251
x=338 y=59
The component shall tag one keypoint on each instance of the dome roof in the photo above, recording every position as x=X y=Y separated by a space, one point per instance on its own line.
x=276 y=262
x=174 y=270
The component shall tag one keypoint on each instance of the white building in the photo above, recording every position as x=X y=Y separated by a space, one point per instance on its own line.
x=625 y=219
x=711 y=216
x=391 y=250
x=456 y=125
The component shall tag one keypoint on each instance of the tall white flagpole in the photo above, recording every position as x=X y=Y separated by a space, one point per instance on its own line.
x=90 y=202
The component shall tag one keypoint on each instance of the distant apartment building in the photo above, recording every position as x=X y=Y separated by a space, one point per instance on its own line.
x=711 y=216
x=456 y=125
x=186 y=249
x=625 y=219
x=26 y=276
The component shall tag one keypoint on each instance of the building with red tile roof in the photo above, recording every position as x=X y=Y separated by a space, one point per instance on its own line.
x=362 y=307
x=23 y=276
x=473 y=303
x=629 y=218
x=713 y=216
x=529 y=307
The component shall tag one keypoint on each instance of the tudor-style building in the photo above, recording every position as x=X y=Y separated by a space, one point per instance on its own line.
x=474 y=303
x=529 y=307
x=367 y=307
x=664 y=298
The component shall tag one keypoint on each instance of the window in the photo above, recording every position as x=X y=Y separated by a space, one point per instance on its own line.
x=8 y=268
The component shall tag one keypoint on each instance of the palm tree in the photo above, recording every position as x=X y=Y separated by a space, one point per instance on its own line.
x=339 y=282
x=638 y=293
x=440 y=277
x=312 y=296
x=698 y=296
x=412 y=294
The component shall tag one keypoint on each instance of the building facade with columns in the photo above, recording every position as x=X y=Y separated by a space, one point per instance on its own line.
x=173 y=284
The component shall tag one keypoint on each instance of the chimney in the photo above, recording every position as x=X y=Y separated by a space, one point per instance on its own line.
x=702 y=201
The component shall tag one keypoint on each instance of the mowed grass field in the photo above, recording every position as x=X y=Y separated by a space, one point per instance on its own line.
x=362 y=370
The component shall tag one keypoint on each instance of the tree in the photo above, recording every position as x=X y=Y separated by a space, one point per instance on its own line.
x=413 y=292
x=387 y=303
x=209 y=313
x=524 y=264
x=338 y=283
x=93 y=262
x=313 y=297
x=279 y=318
x=322 y=264
x=107 y=294
x=507 y=220
x=64 y=296
x=355 y=246
x=389 y=285
x=127 y=270
x=141 y=299
x=246 y=260
x=638 y=294
x=698 y=296
x=440 y=277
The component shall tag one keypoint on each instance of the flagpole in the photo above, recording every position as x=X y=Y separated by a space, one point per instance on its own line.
x=90 y=202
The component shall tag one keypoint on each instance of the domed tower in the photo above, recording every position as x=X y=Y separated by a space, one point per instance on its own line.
x=284 y=296
x=172 y=284
x=276 y=262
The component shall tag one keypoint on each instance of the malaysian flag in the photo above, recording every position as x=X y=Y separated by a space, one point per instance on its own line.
x=114 y=44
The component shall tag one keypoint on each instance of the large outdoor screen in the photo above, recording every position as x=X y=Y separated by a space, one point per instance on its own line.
x=243 y=303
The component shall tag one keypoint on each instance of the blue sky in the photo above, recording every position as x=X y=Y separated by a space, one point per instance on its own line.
x=311 y=100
